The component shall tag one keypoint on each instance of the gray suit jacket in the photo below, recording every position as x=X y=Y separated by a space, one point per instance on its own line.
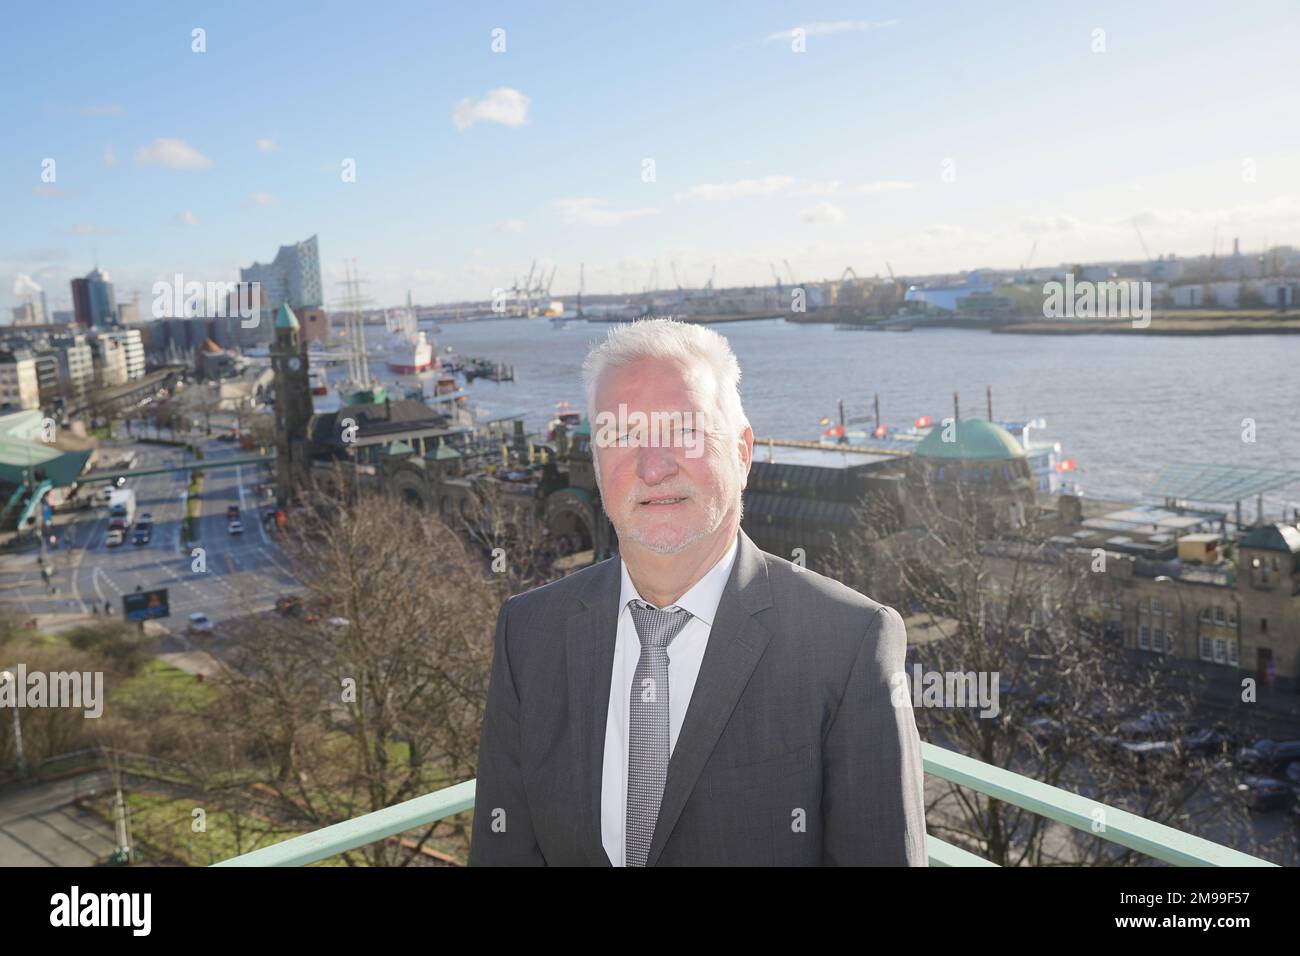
x=791 y=752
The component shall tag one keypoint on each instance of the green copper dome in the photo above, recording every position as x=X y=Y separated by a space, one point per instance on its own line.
x=1274 y=537
x=285 y=319
x=974 y=439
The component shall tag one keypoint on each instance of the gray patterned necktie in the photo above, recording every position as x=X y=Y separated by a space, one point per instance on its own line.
x=647 y=756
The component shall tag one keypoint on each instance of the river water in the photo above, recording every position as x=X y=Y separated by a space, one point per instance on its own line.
x=1123 y=406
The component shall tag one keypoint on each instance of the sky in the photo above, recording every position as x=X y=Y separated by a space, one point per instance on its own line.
x=445 y=147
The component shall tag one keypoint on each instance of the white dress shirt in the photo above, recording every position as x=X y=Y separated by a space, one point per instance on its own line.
x=685 y=654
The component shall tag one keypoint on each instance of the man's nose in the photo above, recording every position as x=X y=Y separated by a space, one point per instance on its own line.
x=656 y=464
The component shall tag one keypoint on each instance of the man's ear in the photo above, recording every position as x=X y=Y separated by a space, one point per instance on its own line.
x=746 y=448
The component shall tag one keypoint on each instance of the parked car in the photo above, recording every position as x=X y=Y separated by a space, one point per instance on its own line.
x=1264 y=793
x=146 y=517
x=114 y=537
x=232 y=512
x=1149 y=725
x=235 y=527
x=1152 y=753
x=199 y=623
x=1210 y=741
x=143 y=534
x=1268 y=756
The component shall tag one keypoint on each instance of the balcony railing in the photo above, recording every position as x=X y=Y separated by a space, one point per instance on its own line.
x=1117 y=826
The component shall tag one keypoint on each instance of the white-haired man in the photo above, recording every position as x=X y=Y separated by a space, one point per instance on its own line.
x=693 y=700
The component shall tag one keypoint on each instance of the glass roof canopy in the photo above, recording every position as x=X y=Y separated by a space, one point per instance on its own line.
x=1218 y=483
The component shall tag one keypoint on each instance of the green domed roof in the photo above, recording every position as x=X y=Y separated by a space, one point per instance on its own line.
x=1274 y=537
x=286 y=319
x=973 y=440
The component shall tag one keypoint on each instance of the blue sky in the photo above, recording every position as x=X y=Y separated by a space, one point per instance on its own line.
x=168 y=160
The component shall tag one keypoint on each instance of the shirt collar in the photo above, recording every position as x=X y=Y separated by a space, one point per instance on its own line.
x=704 y=596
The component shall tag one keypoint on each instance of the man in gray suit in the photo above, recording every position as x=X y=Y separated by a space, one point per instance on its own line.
x=692 y=701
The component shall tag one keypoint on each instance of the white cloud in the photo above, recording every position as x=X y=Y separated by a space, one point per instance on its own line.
x=108 y=109
x=884 y=186
x=86 y=229
x=588 y=211
x=1044 y=225
x=1282 y=211
x=818 y=188
x=823 y=212
x=737 y=189
x=187 y=218
x=47 y=190
x=261 y=199
x=25 y=285
x=512 y=226
x=171 y=153
x=944 y=231
x=266 y=144
x=827 y=27
x=110 y=157
x=503 y=105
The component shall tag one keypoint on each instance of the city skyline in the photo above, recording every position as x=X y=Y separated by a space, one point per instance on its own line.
x=445 y=168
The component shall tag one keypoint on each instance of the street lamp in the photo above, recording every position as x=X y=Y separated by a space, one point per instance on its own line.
x=21 y=766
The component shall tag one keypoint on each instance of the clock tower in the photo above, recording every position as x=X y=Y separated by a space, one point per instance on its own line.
x=293 y=405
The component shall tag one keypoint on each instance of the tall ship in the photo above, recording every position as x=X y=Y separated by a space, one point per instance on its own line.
x=358 y=388
x=409 y=350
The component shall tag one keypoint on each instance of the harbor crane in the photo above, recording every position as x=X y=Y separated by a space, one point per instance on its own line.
x=793 y=280
x=1141 y=240
x=582 y=285
x=1029 y=258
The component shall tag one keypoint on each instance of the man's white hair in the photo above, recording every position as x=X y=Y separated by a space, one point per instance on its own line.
x=700 y=351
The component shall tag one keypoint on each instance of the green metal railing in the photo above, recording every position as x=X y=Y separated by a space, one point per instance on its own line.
x=1108 y=823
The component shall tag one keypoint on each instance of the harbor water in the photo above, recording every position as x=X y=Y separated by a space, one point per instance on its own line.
x=1122 y=406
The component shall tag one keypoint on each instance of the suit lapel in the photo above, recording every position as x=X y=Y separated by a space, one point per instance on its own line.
x=591 y=633
x=736 y=642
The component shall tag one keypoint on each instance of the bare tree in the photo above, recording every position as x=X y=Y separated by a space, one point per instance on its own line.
x=990 y=595
x=375 y=694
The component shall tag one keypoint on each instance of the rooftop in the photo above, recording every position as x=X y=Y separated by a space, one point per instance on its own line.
x=973 y=439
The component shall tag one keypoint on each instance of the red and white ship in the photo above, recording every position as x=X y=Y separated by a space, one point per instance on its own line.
x=409 y=350
x=410 y=354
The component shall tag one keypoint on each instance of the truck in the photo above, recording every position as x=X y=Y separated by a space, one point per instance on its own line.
x=122 y=505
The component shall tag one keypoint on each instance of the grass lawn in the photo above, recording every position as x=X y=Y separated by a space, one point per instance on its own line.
x=160 y=677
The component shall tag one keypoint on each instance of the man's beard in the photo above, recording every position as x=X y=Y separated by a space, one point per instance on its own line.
x=715 y=513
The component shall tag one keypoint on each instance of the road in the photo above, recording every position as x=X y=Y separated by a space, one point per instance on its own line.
x=243 y=573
